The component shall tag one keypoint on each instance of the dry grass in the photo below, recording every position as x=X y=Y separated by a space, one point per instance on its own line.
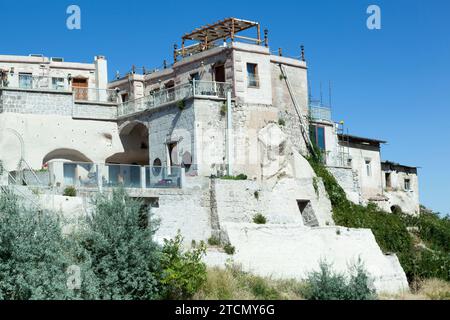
x=234 y=284
x=431 y=289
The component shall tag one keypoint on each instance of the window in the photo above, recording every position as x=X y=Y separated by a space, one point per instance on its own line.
x=369 y=168
x=252 y=75
x=317 y=134
x=25 y=80
x=407 y=184
x=124 y=97
x=58 y=83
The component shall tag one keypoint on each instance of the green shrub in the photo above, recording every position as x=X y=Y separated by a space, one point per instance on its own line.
x=329 y=285
x=259 y=219
x=262 y=290
x=183 y=272
x=125 y=260
x=229 y=249
x=181 y=104
x=223 y=109
x=281 y=122
x=33 y=260
x=70 y=192
x=238 y=177
x=256 y=194
x=213 y=241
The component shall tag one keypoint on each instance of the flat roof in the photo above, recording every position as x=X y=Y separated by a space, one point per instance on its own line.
x=395 y=164
x=219 y=30
x=357 y=139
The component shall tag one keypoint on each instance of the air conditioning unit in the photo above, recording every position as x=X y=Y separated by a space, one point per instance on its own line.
x=57 y=59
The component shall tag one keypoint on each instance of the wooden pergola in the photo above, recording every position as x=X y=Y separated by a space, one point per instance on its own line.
x=221 y=30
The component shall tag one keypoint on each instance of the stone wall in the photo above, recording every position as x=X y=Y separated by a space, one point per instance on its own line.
x=94 y=111
x=36 y=102
x=348 y=180
x=41 y=135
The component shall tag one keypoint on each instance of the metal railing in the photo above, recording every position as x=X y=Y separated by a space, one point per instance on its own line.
x=170 y=95
x=95 y=95
x=96 y=175
x=48 y=83
x=317 y=111
x=28 y=81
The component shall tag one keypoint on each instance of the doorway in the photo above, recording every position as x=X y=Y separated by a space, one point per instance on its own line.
x=79 y=87
x=219 y=73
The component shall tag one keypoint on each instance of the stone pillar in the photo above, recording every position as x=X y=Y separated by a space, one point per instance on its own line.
x=182 y=177
x=143 y=182
x=101 y=77
x=229 y=134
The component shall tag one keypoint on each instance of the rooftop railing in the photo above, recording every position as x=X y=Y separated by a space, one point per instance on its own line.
x=95 y=95
x=60 y=84
x=317 y=111
x=211 y=89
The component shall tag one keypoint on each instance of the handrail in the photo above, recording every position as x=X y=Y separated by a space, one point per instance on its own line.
x=169 y=95
x=32 y=171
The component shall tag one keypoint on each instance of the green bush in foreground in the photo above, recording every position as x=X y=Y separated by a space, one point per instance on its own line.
x=183 y=272
x=329 y=285
x=125 y=259
x=33 y=262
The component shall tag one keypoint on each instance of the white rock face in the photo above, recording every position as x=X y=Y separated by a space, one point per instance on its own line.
x=291 y=252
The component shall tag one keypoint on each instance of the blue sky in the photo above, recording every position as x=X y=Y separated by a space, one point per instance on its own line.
x=392 y=84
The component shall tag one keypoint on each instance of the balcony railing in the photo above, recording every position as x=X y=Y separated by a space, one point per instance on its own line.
x=46 y=83
x=317 y=111
x=178 y=93
x=95 y=175
x=95 y=95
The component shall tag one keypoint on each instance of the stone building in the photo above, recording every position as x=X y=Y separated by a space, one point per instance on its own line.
x=357 y=165
x=225 y=106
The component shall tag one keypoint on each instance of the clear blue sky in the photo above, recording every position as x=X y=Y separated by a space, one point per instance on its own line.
x=392 y=84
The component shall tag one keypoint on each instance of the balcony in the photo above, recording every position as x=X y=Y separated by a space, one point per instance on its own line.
x=319 y=112
x=207 y=89
x=28 y=82
x=100 y=175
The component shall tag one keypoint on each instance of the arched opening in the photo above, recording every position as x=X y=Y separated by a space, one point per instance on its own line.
x=186 y=161
x=67 y=155
x=134 y=137
x=396 y=209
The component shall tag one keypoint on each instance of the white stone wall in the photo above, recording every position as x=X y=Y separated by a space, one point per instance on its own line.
x=371 y=186
x=188 y=212
x=282 y=99
x=42 y=134
x=96 y=73
x=407 y=200
x=170 y=124
x=247 y=53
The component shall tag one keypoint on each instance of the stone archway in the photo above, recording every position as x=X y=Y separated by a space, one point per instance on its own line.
x=134 y=138
x=65 y=154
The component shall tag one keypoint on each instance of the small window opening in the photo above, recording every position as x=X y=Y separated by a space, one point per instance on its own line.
x=307 y=212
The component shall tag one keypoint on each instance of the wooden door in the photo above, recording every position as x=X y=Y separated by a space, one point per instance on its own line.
x=80 y=88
